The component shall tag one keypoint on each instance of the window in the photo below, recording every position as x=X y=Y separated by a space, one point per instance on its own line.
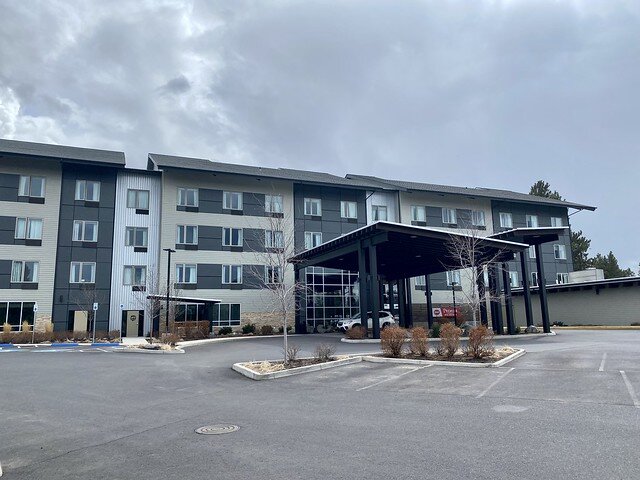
x=449 y=216
x=232 y=274
x=28 y=228
x=82 y=272
x=136 y=237
x=85 y=231
x=532 y=221
x=506 y=220
x=273 y=239
x=187 y=234
x=418 y=214
x=313 y=206
x=557 y=222
x=273 y=274
x=135 y=275
x=24 y=272
x=477 y=218
x=534 y=278
x=421 y=281
x=14 y=313
x=532 y=251
x=273 y=204
x=312 y=239
x=186 y=273
x=187 y=197
x=348 y=209
x=31 y=186
x=88 y=190
x=513 y=279
x=562 y=278
x=560 y=252
x=232 y=200
x=138 y=199
x=232 y=237
x=379 y=213
x=453 y=276
x=226 y=314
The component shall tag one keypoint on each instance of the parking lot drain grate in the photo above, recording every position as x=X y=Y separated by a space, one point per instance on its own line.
x=217 y=429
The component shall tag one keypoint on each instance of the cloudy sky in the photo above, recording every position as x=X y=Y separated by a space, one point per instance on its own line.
x=475 y=93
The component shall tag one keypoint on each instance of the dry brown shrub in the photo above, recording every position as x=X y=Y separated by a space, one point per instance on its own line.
x=356 y=333
x=324 y=352
x=170 y=339
x=392 y=341
x=479 y=344
x=48 y=326
x=449 y=340
x=419 y=343
x=292 y=352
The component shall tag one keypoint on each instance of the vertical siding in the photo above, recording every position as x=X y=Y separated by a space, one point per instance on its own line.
x=387 y=199
x=123 y=255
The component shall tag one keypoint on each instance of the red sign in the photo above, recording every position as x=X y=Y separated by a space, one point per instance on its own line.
x=447 y=312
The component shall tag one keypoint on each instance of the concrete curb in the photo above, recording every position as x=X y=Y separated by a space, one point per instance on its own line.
x=59 y=345
x=147 y=351
x=435 y=340
x=193 y=343
x=414 y=361
x=241 y=369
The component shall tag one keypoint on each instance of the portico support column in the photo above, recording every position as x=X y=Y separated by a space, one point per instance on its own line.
x=427 y=294
x=482 y=296
x=301 y=301
x=362 y=282
x=375 y=291
x=511 y=325
x=407 y=289
x=542 y=290
x=496 y=305
x=402 y=310
x=528 y=312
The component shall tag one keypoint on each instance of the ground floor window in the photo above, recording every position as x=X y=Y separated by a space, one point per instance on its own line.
x=14 y=313
x=189 y=312
x=226 y=315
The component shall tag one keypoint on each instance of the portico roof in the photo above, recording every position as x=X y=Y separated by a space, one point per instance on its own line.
x=531 y=235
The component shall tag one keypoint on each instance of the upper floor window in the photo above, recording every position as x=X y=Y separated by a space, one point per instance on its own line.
x=273 y=274
x=85 y=231
x=418 y=214
x=136 y=237
x=477 y=218
x=232 y=237
x=232 y=274
x=513 y=279
x=532 y=251
x=313 y=206
x=187 y=197
x=28 y=228
x=348 y=209
x=82 y=272
x=449 y=216
x=557 y=222
x=273 y=239
x=421 y=281
x=138 y=199
x=24 y=272
x=379 y=213
x=506 y=220
x=232 y=200
x=135 y=275
x=273 y=204
x=88 y=190
x=312 y=239
x=187 y=234
x=186 y=273
x=560 y=252
x=562 y=278
x=31 y=186
x=532 y=221
x=453 y=277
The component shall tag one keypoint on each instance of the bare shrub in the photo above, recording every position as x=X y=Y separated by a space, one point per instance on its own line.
x=170 y=339
x=479 y=344
x=392 y=341
x=356 y=333
x=42 y=337
x=266 y=330
x=449 y=340
x=419 y=344
x=114 y=335
x=26 y=327
x=6 y=327
x=48 y=326
x=324 y=352
x=291 y=354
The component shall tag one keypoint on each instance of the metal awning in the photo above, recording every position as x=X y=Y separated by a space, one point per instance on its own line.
x=183 y=299
x=531 y=235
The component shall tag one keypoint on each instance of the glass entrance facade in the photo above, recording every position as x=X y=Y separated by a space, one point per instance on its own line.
x=331 y=295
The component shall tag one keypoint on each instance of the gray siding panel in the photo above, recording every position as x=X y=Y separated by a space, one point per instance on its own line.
x=5 y=273
x=9 y=184
x=209 y=200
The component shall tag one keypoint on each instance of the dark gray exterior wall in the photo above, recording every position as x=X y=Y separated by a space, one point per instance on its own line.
x=9 y=184
x=210 y=238
x=210 y=277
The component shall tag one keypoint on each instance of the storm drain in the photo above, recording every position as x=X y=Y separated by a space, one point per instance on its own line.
x=217 y=429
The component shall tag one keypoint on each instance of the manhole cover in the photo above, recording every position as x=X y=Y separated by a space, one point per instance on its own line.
x=217 y=429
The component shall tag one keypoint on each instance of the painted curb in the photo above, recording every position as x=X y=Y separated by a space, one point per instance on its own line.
x=435 y=340
x=413 y=361
x=241 y=369
x=204 y=341
x=147 y=351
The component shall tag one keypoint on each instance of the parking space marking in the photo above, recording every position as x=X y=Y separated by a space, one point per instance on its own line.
x=632 y=392
x=495 y=382
x=393 y=378
x=604 y=359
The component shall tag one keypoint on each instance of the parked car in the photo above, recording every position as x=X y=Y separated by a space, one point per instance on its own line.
x=386 y=320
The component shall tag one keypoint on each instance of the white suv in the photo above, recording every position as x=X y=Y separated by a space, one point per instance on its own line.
x=386 y=320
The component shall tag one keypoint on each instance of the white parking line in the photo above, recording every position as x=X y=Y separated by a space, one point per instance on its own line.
x=604 y=358
x=498 y=380
x=393 y=378
x=632 y=392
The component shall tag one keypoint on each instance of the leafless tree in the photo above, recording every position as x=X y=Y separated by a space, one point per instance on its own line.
x=86 y=296
x=151 y=298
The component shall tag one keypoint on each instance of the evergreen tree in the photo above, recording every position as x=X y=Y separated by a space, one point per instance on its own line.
x=609 y=264
x=580 y=250
x=543 y=189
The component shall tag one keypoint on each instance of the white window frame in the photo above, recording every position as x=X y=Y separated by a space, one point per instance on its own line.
x=532 y=251
x=376 y=210
x=348 y=209
x=136 y=194
x=503 y=219
x=27 y=228
x=35 y=270
x=421 y=281
x=532 y=221
x=183 y=194
x=274 y=239
x=514 y=279
x=82 y=265
x=184 y=267
x=557 y=222
x=230 y=231
x=418 y=213
x=229 y=198
x=135 y=236
x=562 y=278
x=134 y=269
x=271 y=201
x=80 y=226
x=228 y=277
x=559 y=251
x=449 y=216
x=453 y=276
x=313 y=207
x=270 y=275
x=478 y=218
x=26 y=186
x=81 y=190
x=310 y=239
x=183 y=241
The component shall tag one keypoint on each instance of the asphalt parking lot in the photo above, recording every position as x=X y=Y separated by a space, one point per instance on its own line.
x=568 y=408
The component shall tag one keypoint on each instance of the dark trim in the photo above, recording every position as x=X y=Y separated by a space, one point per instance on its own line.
x=24 y=286
x=28 y=242
x=187 y=208
x=233 y=286
x=142 y=211
x=138 y=288
x=186 y=246
x=480 y=227
x=418 y=224
x=274 y=214
x=85 y=244
x=140 y=249
x=25 y=199
x=88 y=203
x=228 y=211
x=186 y=286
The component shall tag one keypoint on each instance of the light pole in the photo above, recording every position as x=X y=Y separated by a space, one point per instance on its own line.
x=453 y=291
x=169 y=252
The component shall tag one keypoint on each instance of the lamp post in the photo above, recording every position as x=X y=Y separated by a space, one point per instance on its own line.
x=169 y=252
x=453 y=291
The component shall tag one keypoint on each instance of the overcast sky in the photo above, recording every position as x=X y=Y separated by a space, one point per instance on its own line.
x=473 y=93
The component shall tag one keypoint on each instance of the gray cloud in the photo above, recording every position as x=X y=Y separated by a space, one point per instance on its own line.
x=485 y=93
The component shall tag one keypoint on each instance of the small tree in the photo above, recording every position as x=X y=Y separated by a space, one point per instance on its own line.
x=85 y=297
x=151 y=298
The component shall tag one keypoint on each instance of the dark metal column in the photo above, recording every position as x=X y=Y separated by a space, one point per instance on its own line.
x=362 y=282
x=301 y=302
x=524 y=266
x=496 y=305
x=427 y=294
x=409 y=303
x=482 y=296
x=511 y=325
x=402 y=309
x=375 y=291
x=392 y=298
x=542 y=291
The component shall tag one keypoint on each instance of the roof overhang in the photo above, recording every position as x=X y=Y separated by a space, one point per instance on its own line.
x=184 y=299
x=531 y=236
